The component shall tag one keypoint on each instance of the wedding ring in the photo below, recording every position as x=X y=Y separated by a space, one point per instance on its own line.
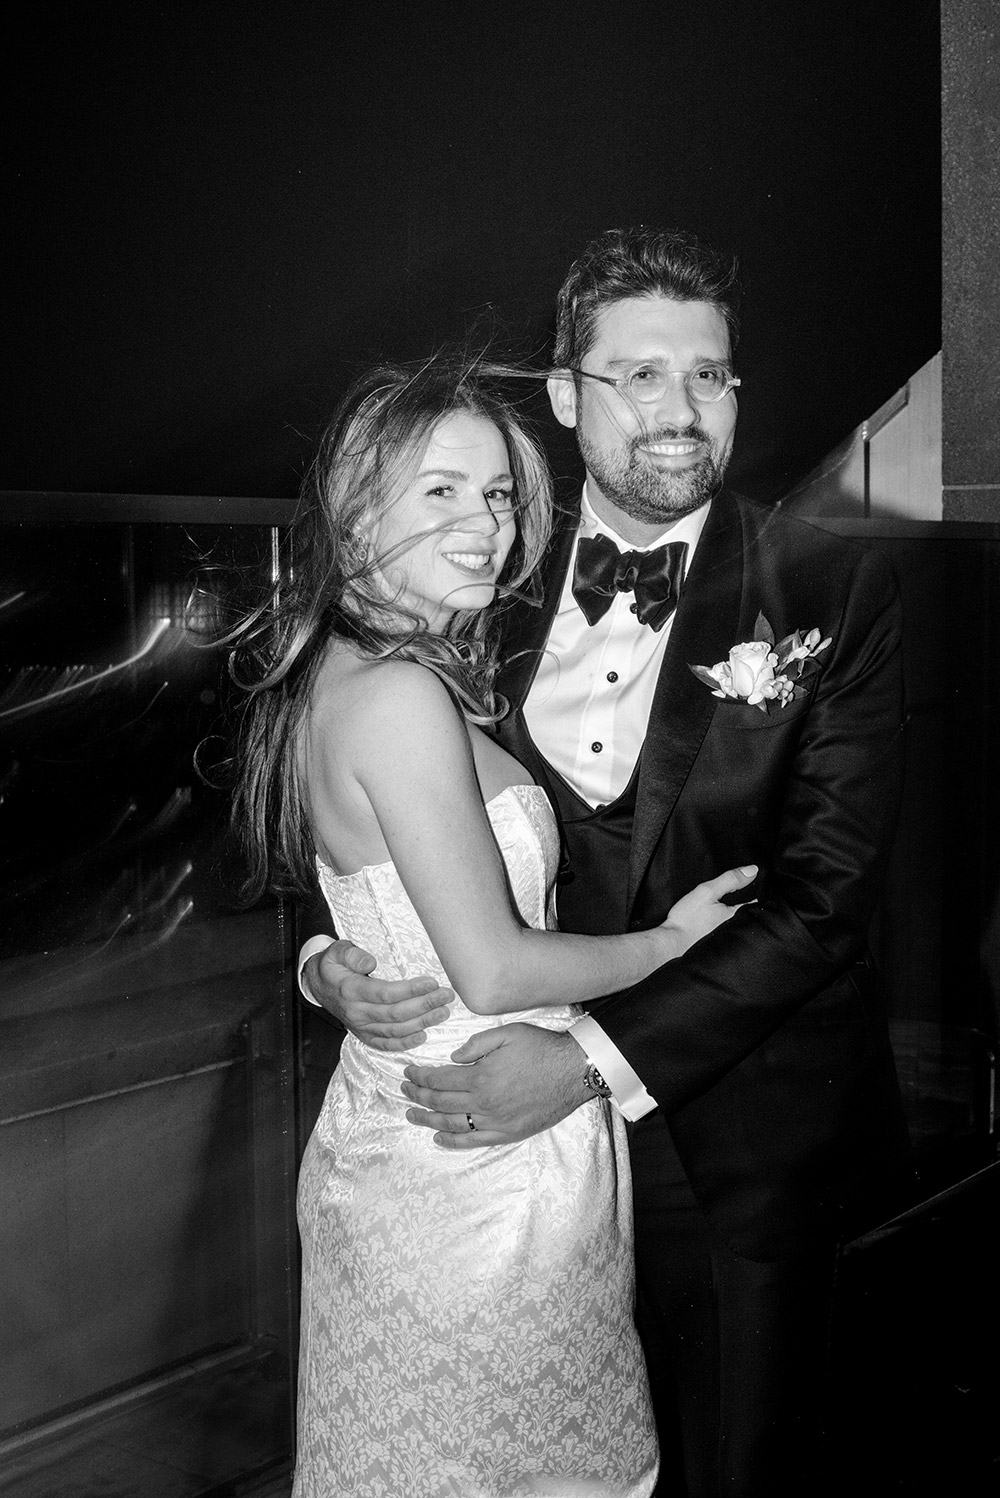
x=468 y=1119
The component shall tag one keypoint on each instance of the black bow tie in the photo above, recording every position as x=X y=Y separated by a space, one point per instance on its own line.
x=653 y=576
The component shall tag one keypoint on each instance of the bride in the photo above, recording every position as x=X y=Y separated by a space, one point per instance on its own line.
x=467 y=1317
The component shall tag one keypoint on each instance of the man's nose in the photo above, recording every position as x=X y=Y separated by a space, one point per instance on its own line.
x=675 y=406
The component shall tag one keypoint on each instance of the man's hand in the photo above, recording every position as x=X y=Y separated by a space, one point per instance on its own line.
x=387 y=1015
x=514 y=1081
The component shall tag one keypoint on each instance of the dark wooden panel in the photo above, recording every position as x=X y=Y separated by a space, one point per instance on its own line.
x=147 y=1086
x=138 y=1207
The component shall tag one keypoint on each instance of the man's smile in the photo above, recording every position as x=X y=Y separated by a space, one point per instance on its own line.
x=683 y=449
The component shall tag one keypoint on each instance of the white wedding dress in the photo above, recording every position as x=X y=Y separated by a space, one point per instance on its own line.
x=467 y=1315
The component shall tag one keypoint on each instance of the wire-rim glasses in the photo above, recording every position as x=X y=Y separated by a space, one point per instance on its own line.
x=647 y=383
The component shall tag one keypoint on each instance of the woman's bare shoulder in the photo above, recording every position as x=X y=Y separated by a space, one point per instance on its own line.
x=361 y=695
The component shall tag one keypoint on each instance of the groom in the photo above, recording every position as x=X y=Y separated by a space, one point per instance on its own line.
x=756 y=1069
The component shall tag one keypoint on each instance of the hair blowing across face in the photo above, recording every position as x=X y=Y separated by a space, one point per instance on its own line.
x=640 y=262
x=335 y=587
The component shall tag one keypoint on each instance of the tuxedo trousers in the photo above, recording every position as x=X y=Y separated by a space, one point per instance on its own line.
x=737 y=1349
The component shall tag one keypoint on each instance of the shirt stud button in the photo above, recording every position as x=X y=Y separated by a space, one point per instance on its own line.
x=612 y=676
x=597 y=746
x=633 y=608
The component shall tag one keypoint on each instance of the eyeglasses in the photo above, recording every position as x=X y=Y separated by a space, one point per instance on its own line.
x=647 y=383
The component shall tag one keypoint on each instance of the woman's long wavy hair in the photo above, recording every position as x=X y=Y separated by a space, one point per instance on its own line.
x=336 y=587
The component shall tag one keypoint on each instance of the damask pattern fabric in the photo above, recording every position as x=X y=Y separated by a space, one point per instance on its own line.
x=467 y=1316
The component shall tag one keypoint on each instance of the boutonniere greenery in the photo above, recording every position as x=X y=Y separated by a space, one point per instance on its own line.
x=762 y=673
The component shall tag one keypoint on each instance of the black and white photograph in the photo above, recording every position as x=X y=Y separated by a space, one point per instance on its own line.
x=500 y=751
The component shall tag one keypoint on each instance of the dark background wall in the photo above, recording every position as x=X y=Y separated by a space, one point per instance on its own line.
x=217 y=212
x=971 y=239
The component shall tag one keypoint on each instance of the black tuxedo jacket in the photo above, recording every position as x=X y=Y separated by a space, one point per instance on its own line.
x=765 y=1045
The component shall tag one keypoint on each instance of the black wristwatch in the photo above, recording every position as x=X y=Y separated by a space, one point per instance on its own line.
x=594 y=1082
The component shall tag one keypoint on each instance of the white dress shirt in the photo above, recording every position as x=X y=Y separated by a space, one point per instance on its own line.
x=590 y=700
x=587 y=712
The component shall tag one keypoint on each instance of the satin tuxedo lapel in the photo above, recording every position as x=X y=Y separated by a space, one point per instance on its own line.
x=705 y=627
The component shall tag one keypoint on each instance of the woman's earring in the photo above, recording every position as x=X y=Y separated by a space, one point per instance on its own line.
x=356 y=552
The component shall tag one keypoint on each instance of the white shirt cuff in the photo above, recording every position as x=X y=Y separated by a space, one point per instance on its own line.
x=309 y=949
x=628 y=1092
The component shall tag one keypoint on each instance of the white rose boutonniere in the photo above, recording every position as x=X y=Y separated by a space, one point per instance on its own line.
x=760 y=672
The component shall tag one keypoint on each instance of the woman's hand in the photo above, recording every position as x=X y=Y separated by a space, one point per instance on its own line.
x=700 y=911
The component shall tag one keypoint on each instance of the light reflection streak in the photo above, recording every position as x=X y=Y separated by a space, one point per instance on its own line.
x=130 y=723
x=166 y=931
x=90 y=961
x=154 y=907
x=176 y=804
x=37 y=704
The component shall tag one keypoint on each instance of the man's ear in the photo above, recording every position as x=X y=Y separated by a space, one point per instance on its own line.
x=562 y=394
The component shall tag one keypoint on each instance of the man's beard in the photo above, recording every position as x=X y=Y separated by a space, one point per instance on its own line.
x=649 y=494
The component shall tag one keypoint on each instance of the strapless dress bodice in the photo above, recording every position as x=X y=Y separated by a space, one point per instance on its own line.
x=372 y=907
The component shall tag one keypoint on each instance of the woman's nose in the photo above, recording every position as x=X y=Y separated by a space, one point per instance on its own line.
x=480 y=517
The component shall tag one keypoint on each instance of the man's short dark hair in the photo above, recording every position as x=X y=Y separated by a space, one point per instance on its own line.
x=640 y=262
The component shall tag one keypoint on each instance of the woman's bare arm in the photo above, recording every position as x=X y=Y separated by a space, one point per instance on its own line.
x=409 y=751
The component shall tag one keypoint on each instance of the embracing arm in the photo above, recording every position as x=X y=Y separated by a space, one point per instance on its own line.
x=691 y=1022
x=387 y=1014
x=409 y=753
x=832 y=814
